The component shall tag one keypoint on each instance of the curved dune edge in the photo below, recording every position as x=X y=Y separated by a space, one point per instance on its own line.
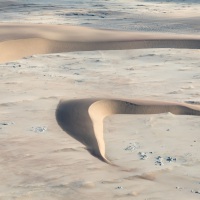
x=22 y=40
x=83 y=119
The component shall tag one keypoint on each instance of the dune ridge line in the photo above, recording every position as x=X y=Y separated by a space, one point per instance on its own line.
x=83 y=119
x=22 y=40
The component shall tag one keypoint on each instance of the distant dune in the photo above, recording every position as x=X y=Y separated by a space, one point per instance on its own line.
x=18 y=41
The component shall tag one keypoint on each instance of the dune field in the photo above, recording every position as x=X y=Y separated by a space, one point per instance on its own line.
x=99 y=99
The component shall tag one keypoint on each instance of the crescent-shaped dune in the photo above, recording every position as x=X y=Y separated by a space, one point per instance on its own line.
x=22 y=40
x=83 y=119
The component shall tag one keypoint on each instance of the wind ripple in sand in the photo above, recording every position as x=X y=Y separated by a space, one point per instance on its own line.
x=83 y=119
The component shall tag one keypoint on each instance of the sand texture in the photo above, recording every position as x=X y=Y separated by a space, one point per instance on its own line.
x=99 y=99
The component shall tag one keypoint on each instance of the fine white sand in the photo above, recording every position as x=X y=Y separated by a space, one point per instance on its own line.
x=110 y=114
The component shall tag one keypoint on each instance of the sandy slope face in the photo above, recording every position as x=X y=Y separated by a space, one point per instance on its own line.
x=138 y=15
x=18 y=41
x=39 y=160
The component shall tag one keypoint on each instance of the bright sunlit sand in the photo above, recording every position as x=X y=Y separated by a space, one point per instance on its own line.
x=99 y=99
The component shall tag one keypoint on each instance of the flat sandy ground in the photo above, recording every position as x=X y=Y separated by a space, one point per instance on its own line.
x=153 y=156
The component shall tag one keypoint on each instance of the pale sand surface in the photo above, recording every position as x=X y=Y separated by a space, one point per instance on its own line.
x=53 y=165
x=41 y=161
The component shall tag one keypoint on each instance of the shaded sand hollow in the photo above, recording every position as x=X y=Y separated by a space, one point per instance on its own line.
x=21 y=40
x=83 y=119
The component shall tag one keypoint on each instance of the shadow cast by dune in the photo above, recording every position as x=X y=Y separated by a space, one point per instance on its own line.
x=83 y=119
x=73 y=118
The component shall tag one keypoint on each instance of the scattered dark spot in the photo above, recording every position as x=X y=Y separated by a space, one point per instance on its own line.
x=119 y=187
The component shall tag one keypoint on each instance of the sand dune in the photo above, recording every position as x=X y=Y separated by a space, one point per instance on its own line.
x=98 y=143
x=83 y=119
x=18 y=41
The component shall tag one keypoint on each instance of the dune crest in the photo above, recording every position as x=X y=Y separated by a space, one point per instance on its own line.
x=22 y=40
x=83 y=119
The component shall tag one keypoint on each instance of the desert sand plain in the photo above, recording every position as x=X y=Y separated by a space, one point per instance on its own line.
x=99 y=99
